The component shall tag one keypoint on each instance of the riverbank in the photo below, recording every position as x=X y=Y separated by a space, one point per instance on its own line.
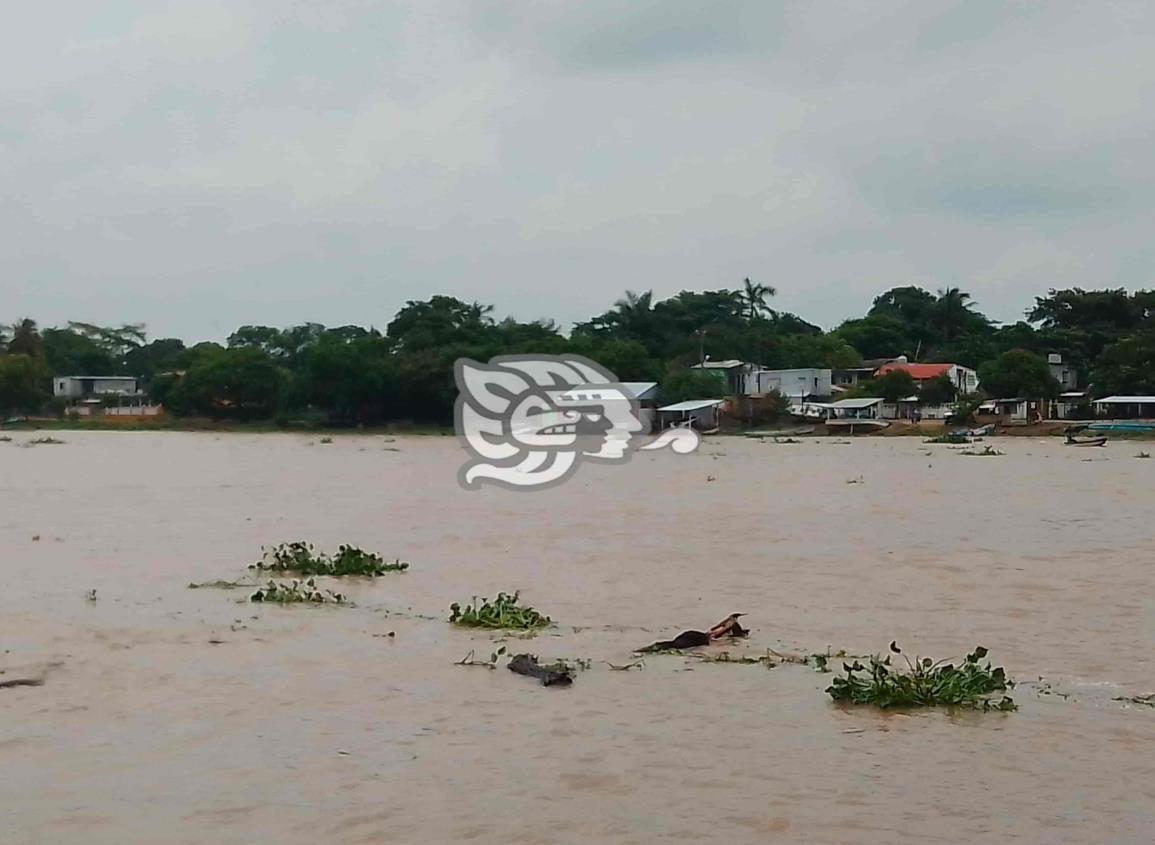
x=164 y=422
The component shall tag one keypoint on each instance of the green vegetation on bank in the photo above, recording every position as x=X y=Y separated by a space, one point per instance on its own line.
x=315 y=376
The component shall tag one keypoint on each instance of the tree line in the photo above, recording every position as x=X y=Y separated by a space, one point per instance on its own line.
x=350 y=375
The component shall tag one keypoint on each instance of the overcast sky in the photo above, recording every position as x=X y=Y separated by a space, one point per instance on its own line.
x=202 y=164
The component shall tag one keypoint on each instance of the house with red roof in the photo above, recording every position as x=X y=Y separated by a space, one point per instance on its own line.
x=963 y=378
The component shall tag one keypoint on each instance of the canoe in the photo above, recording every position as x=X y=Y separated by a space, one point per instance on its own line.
x=1090 y=441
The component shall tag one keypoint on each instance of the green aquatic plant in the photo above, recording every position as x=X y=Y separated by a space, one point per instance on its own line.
x=296 y=592
x=503 y=612
x=955 y=437
x=924 y=683
x=303 y=559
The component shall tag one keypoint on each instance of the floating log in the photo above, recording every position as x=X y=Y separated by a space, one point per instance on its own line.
x=526 y=664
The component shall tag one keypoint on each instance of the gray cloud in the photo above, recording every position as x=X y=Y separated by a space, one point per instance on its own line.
x=202 y=165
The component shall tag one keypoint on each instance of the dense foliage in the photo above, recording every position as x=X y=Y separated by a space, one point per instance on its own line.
x=350 y=375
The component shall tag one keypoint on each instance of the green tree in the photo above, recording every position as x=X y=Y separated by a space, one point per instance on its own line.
x=68 y=353
x=439 y=322
x=754 y=296
x=354 y=381
x=877 y=336
x=1018 y=373
x=952 y=315
x=159 y=356
x=937 y=391
x=685 y=384
x=244 y=384
x=894 y=385
x=629 y=360
x=25 y=339
x=22 y=384
x=116 y=341
x=1127 y=367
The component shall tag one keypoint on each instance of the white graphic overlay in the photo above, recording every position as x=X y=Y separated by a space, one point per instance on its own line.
x=528 y=421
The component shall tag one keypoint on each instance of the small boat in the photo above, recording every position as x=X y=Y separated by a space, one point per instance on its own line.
x=854 y=425
x=982 y=430
x=1086 y=441
x=782 y=432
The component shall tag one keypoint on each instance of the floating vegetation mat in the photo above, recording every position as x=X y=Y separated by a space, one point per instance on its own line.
x=503 y=612
x=303 y=559
x=924 y=683
x=949 y=437
x=296 y=592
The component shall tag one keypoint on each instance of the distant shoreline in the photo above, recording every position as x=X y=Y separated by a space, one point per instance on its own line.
x=1048 y=428
x=198 y=424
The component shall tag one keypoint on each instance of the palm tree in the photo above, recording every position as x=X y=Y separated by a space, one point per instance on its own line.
x=25 y=338
x=754 y=296
x=631 y=313
x=952 y=311
x=477 y=314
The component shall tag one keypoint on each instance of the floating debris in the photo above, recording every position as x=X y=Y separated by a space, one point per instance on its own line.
x=554 y=674
x=985 y=452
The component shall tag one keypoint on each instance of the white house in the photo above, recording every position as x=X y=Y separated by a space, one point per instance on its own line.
x=793 y=384
x=745 y=379
x=736 y=375
x=84 y=387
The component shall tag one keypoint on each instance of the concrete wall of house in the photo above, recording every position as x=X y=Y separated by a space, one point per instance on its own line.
x=796 y=382
x=71 y=387
x=964 y=378
x=67 y=388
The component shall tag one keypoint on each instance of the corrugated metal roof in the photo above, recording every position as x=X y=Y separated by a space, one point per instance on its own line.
x=917 y=371
x=693 y=405
x=1127 y=400
x=639 y=388
x=865 y=402
x=719 y=365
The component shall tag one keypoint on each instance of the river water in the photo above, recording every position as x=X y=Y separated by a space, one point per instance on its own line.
x=170 y=715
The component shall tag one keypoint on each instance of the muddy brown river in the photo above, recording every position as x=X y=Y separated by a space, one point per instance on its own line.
x=170 y=715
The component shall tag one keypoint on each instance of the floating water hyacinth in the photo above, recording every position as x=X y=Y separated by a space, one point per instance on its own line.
x=296 y=592
x=302 y=558
x=925 y=683
x=503 y=612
